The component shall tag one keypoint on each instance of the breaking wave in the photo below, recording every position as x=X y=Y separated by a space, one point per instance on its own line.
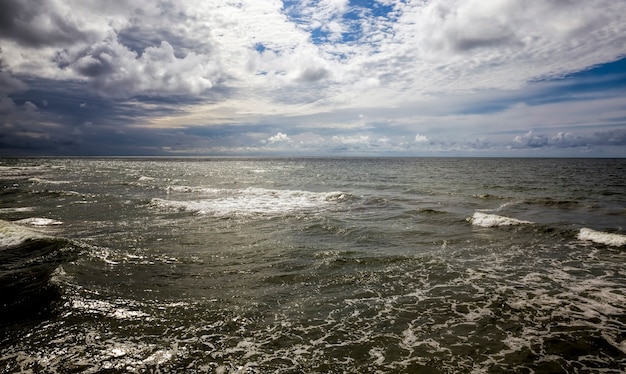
x=28 y=260
x=615 y=240
x=249 y=201
x=12 y=235
x=493 y=220
x=38 y=221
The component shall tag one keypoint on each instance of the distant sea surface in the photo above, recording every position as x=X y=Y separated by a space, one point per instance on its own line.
x=346 y=265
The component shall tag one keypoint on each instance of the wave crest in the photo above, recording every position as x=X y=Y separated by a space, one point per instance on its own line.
x=12 y=235
x=615 y=240
x=492 y=220
x=255 y=201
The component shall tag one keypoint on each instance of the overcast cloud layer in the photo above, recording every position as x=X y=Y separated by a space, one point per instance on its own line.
x=313 y=77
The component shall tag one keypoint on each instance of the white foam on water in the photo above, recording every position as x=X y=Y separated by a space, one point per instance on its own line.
x=202 y=190
x=17 y=210
x=222 y=202
x=108 y=309
x=46 y=181
x=38 y=221
x=492 y=220
x=12 y=171
x=12 y=235
x=377 y=355
x=159 y=357
x=615 y=240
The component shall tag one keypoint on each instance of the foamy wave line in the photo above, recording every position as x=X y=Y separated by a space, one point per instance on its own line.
x=46 y=181
x=188 y=189
x=108 y=309
x=38 y=221
x=253 y=201
x=17 y=210
x=12 y=235
x=600 y=237
x=492 y=220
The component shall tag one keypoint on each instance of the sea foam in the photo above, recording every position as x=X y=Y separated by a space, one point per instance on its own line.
x=38 y=221
x=615 y=240
x=223 y=202
x=12 y=235
x=492 y=220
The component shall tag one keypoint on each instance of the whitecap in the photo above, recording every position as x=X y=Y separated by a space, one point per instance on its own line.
x=159 y=357
x=109 y=309
x=37 y=221
x=12 y=235
x=222 y=202
x=492 y=220
x=46 y=181
x=190 y=189
x=615 y=240
x=17 y=210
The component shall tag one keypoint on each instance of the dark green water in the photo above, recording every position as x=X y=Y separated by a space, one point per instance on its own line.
x=313 y=265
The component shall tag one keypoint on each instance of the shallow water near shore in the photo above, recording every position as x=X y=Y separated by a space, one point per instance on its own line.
x=313 y=265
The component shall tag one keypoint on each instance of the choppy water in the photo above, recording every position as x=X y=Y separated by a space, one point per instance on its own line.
x=313 y=265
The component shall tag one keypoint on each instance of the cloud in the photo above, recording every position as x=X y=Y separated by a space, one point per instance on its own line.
x=569 y=140
x=279 y=137
x=114 y=70
x=146 y=48
x=42 y=23
x=313 y=74
x=351 y=140
x=30 y=107
x=9 y=84
x=7 y=105
x=612 y=138
x=419 y=138
x=455 y=70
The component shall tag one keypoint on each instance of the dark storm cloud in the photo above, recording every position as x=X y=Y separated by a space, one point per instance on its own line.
x=71 y=120
x=9 y=83
x=311 y=74
x=569 y=140
x=139 y=37
x=461 y=42
x=97 y=62
x=113 y=70
x=613 y=137
x=37 y=23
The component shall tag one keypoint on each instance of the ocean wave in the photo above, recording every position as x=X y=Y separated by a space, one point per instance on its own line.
x=28 y=259
x=118 y=309
x=17 y=210
x=191 y=189
x=492 y=220
x=19 y=171
x=615 y=240
x=46 y=181
x=427 y=211
x=38 y=221
x=12 y=235
x=223 y=202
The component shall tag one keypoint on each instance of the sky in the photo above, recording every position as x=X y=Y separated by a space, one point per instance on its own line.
x=510 y=78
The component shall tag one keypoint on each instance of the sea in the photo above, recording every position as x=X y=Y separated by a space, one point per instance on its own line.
x=312 y=265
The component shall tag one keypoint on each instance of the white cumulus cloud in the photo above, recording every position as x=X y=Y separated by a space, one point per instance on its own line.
x=311 y=67
x=419 y=138
x=279 y=137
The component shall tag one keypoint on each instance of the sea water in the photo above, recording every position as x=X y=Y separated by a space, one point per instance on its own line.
x=347 y=265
